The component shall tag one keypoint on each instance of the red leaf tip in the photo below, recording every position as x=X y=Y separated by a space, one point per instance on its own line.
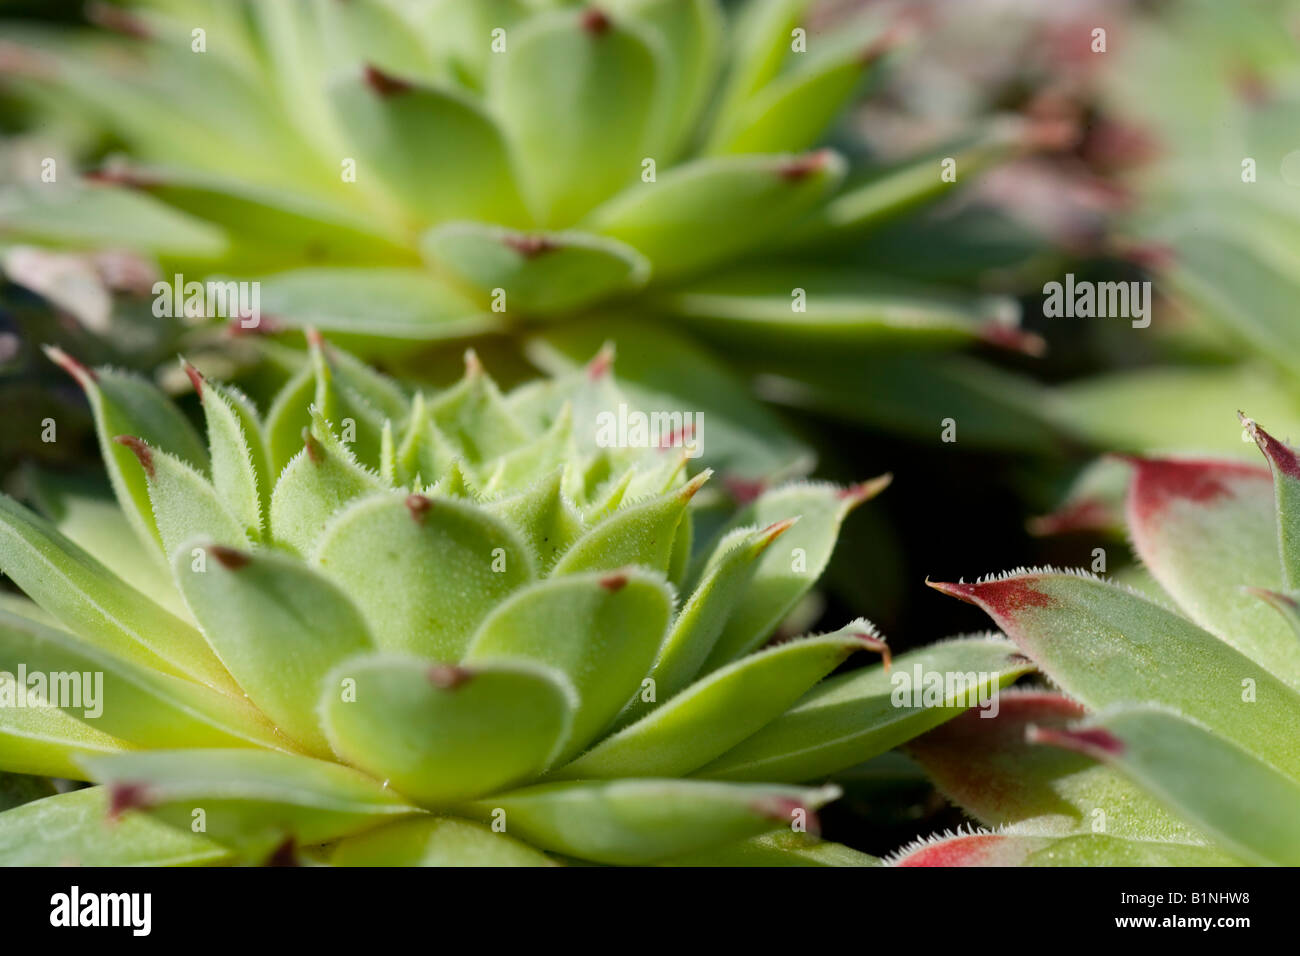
x=419 y=506
x=595 y=21
x=1279 y=454
x=1092 y=742
x=803 y=166
x=874 y=642
x=784 y=810
x=602 y=364
x=385 y=84
x=695 y=484
x=141 y=451
x=315 y=452
x=195 y=376
x=1013 y=338
x=448 y=676
x=229 y=558
x=865 y=490
x=529 y=246
x=997 y=596
x=83 y=375
x=286 y=854
x=614 y=582
x=127 y=796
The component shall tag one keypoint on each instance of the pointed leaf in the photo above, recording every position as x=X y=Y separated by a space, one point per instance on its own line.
x=1286 y=487
x=443 y=733
x=1082 y=849
x=545 y=515
x=853 y=717
x=240 y=471
x=39 y=739
x=639 y=821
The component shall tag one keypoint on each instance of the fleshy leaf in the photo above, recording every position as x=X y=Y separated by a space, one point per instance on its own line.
x=538 y=272
x=455 y=562
x=1105 y=646
x=278 y=627
x=640 y=821
x=251 y=799
x=787 y=571
x=445 y=733
x=601 y=631
x=240 y=470
x=1206 y=529
x=1199 y=775
x=545 y=514
x=705 y=212
x=73 y=829
x=717 y=712
x=435 y=841
x=576 y=93
x=760 y=47
x=852 y=717
x=1080 y=849
x=1286 y=487
x=40 y=739
x=778 y=848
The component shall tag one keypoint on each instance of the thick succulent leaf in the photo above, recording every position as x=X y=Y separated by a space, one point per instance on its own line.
x=475 y=417
x=240 y=470
x=690 y=32
x=435 y=841
x=1182 y=408
x=1106 y=646
x=44 y=740
x=660 y=368
x=278 y=627
x=576 y=93
x=136 y=703
x=251 y=799
x=538 y=272
x=93 y=602
x=1247 y=805
x=96 y=216
x=723 y=585
x=359 y=306
x=1285 y=466
x=125 y=404
x=786 y=571
x=795 y=109
x=778 y=848
x=760 y=46
x=640 y=821
x=317 y=482
x=184 y=502
x=985 y=765
x=852 y=717
x=439 y=153
x=601 y=631
x=641 y=533
x=454 y=561
x=442 y=733
x=545 y=514
x=73 y=829
x=1080 y=849
x=1206 y=530
x=705 y=212
x=717 y=712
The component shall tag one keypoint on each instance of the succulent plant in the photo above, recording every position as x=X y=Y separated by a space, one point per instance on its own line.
x=440 y=628
x=408 y=172
x=1178 y=710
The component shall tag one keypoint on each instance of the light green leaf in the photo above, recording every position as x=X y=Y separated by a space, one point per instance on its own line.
x=853 y=717
x=1285 y=466
x=601 y=631
x=441 y=733
x=278 y=627
x=44 y=740
x=435 y=841
x=546 y=516
x=640 y=821
x=760 y=46
x=717 y=712
x=705 y=212
x=778 y=848
x=1079 y=849
x=73 y=829
x=576 y=93
x=538 y=272
x=240 y=471
x=251 y=799
x=424 y=571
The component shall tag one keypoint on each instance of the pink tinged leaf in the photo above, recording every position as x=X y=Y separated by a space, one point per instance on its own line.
x=1288 y=605
x=973 y=849
x=141 y=451
x=1206 y=529
x=1285 y=465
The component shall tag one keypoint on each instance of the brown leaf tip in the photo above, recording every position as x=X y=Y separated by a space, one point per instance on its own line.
x=1092 y=742
x=315 y=451
x=229 y=558
x=385 y=84
x=595 y=21
x=775 y=530
x=83 y=375
x=286 y=854
x=865 y=490
x=998 y=596
x=614 y=582
x=127 y=796
x=419 y=506
x=141 y=451
x=691 y=487
x=196 y=378
x=529 y=246
x=803 y=166
x=448 y=676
